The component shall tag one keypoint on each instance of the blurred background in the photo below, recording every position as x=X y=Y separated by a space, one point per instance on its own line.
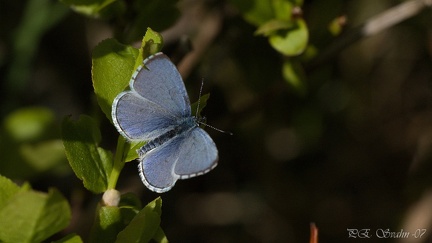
x=346 y=146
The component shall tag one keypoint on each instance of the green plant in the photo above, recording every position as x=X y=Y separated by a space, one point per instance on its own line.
x=117 y=219
x=30 y=216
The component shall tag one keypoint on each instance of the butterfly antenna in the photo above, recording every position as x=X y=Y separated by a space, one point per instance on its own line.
x=200 y=122
x=214 y=128
x=199 y=97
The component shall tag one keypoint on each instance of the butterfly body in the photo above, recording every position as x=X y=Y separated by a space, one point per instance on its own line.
x=184 y=126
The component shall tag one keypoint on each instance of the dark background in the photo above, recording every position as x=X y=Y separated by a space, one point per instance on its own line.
x=351 y=151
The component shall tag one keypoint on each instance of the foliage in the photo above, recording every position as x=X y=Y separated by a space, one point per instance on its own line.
x=285 y=29
x=30 y=216
x=317 y=125
x=41 y=215
x=98 y=168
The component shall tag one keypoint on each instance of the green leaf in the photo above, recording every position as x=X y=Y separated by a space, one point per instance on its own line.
x=145 y=225
x=29 y=139
x=294 y=75
x=91 y=163
x=288 y=35
x=160 y=236
x=256 y=12
x=7 y=190
x=30 y=216
x=44 y=155
x=152 y=43
x=336 y=25
x=29 y=124
x=272 y=26
x=202 y=104
x=72 y=238
x=110 y=220
x=282 y=9
x=97 y=8
x=130 y=200
x=132 y=151
x=112 y=67
x=293 y=41
x=107 y=224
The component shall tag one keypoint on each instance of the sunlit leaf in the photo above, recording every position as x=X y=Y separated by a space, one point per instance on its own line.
x=29 y=124
x=97 y=8
x=272 y=26
x=72 y=238
x=30 y=216
x=293 y=74
x=91 y=163
x=112 y=68
x=292 y=41
x=256 y=12
x=145 y=225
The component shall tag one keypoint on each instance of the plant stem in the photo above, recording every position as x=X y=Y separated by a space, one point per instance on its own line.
x=119 y=161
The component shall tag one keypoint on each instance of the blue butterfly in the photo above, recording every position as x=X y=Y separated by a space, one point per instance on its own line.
x=157 y=110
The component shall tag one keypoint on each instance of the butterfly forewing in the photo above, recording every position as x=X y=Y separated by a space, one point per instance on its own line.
x=131 y=117
x=161 y=83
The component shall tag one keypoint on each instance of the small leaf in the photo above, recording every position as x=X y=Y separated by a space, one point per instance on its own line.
x=130 y=200
x=272 y=26
x=31 y=216
x=132 y=151
x=110 y=220
x=44 y=155
x=28 y=138
x=202 y=104
x=152 y=43
x=7 y=190
x=97 y=8
x=293 y=41
x=160 y=236
x=91 y=163
x=336 y=25
x=256 y=12
x=29 y=124
x=293 y=74
x=112 y=67
x=72 y=238
x=282 y=9
x=107 y=224
x=145 y=225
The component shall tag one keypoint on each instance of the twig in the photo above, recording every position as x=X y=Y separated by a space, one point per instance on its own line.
x=372 y=26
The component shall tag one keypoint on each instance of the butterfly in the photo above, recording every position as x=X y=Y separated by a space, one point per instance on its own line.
x=157 y=109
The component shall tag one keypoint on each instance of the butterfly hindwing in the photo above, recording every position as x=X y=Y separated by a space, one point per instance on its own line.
x=156 y=166
x=197 y=154
x=190 y=154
